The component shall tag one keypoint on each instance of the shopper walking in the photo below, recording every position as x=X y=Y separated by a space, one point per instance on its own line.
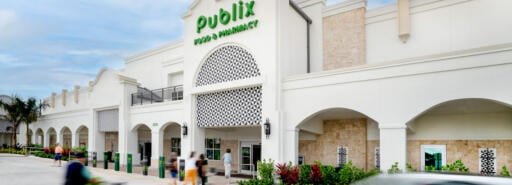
x=58 y=154
x=228 y=160
x=190 y=170
x=173 y=168
x=202 y=169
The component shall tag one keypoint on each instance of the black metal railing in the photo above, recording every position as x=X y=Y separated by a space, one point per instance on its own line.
x=146 y=96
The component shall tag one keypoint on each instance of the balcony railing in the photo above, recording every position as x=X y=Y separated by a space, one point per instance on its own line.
x=145 y=96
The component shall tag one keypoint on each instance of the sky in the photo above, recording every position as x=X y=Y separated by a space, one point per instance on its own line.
x=50 y=45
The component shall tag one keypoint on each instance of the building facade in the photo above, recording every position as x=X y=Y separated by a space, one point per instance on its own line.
x=424 y=82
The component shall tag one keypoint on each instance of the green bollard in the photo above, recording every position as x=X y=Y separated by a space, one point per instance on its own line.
x=129 y=164
x=116 y=162
x=86 y=159
x=105 y=161
x=94 y=159
x=161 y=167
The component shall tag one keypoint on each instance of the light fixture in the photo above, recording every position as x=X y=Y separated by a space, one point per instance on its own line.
x=267 y=128
x=184 y=128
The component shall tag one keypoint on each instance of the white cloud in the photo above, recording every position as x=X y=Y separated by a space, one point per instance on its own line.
x=7 y=61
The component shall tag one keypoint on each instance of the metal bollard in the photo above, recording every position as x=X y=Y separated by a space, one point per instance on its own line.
x=116 y=162
x=161 y=167
x=105 y=160
x=94 y=159
x=129 y=164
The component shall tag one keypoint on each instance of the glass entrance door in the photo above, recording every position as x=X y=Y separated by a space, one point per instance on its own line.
x=250 y=154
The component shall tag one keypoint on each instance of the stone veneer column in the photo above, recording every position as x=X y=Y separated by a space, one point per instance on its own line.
x=393 y=147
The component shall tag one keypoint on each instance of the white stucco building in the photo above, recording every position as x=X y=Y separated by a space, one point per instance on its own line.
x=424 y=82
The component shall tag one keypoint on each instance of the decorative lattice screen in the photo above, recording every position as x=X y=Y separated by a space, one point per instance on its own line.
x=227 y=64
x=487 y=161
x=342 y=156
x=377 y=157
x=239 y=107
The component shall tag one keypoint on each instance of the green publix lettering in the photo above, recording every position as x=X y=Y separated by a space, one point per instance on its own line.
x=238 y=11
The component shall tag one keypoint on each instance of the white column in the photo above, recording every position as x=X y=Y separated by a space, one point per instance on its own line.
x=59 y=139
x=292 y=145
x=46 y=139
x=74 y=139
x=156 y=149
x=393 y=147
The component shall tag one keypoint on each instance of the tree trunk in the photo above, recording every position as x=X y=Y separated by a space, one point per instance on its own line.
x=28 y=137
x=13 y=137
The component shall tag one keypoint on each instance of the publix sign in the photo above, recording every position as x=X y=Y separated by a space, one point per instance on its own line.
x=239 y=11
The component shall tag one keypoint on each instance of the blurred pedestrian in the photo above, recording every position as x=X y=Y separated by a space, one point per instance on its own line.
x=228 y=160
x=190 y=169
x=77 y=173
x=173 y=168
x=58 y=154
x=201 y=169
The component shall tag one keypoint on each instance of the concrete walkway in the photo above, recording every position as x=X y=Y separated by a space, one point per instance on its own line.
x=22 y=170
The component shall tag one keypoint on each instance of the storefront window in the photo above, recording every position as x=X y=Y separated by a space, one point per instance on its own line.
x=213 y=148
x=176 y=145
x=433 y=157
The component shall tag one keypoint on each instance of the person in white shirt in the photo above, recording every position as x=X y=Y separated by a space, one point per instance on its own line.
x=190 y=170
x=228 y=160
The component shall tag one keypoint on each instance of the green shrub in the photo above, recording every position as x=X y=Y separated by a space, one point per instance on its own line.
x=504 y=172
x=266 y=170
x=305 y=174
x=457 y=166
x=350 y=173
x=409 y=168
x=256 y=182
x=329 y=175
x=430 y=168
x=394 y=169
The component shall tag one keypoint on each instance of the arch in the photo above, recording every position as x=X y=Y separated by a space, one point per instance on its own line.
x=227 y=62
x=66 y=137
x=65 y=129
x=170 y=141
x=139 y=125
x=82 y=134
x=39 y=136
x=164 y=126
x=335 y=135
x=347 y=111
x=433 y=105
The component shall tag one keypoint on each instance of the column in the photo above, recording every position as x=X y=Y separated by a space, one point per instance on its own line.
x=46 y=139
x=156 y=148
x=292 y=145
x=59 y=139
x=393 y=147
x=74 y=140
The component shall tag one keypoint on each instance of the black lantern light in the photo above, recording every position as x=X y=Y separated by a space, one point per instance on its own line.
x=267 y=128
x=184 y=128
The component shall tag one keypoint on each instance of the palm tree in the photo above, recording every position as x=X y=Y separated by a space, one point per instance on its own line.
x=13 y=114
x=31 y=111
x=18 y=111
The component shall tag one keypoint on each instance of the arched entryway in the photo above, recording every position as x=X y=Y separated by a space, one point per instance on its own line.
x=171 y=132
x=65 y=134
x=143 y=134
x=338 y=135
x=51 y=134
x=39 y=137
x=476 y=131
x=83 y=136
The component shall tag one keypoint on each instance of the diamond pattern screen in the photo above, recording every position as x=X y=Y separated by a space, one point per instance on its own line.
x=238 y=107
x=487 y=161
x=228 y=63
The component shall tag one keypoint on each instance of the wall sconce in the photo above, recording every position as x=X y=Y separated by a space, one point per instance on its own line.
x=185 y=129
x=267 y=128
